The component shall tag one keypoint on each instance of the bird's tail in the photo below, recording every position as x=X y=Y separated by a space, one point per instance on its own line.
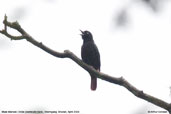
x=93 y=83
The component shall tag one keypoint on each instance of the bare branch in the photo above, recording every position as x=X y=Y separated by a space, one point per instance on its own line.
x=5 y=19
x=67 y=54
x=12 y=25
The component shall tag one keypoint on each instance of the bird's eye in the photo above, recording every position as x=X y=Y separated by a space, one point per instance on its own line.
x=87 y=32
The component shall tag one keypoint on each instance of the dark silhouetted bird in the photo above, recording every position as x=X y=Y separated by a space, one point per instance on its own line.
x=90 y=55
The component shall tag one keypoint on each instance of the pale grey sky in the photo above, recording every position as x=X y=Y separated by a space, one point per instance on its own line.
x=31 y=79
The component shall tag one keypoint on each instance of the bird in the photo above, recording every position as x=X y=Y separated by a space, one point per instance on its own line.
x=90 y=55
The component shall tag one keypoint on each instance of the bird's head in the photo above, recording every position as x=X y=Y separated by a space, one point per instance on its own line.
x=86 y=36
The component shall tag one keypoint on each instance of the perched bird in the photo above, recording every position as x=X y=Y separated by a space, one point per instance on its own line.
x=90 y=55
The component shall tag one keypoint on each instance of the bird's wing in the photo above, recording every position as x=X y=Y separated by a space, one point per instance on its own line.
x=90 y=55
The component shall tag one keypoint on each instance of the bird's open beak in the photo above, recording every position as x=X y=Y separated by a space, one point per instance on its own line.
x=82 y=32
